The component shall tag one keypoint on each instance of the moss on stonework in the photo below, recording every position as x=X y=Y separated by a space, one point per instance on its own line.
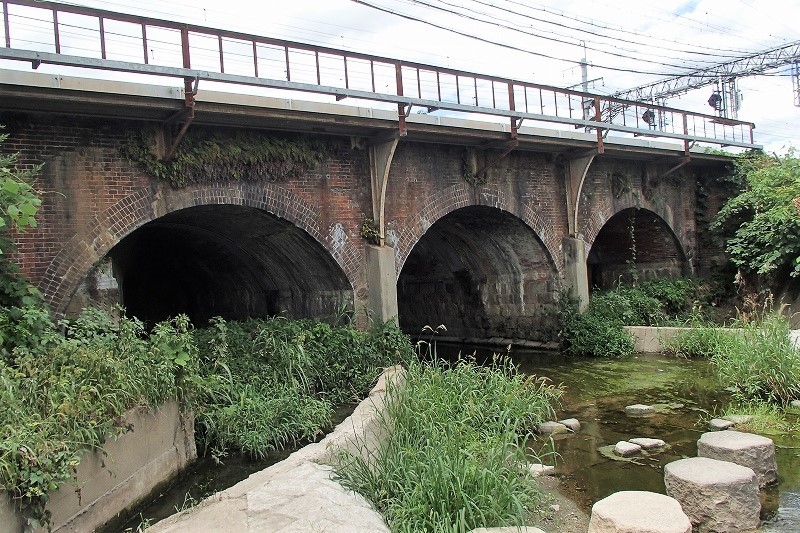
x=205 y=156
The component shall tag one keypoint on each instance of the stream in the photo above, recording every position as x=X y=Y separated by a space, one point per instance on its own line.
x=686 y=395
x=596 y=392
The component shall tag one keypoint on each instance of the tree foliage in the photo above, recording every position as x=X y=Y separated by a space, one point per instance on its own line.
x=761 y=224
x=18 y=199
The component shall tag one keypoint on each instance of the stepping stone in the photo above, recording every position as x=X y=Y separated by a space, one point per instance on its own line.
x=795 y=404
x=717 y=496
x=637 y=511
x=746 y=449
x=739 y=419
x=626 y=449
x=719 y=424
x=571 y=423
x=541 y=470
x=639 y=410
x=648 y=444
x=551 y=428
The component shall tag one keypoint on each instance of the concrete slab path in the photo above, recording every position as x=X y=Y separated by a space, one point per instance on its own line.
x=297 y=494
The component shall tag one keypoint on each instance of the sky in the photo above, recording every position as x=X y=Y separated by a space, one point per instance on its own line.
x=625 y=43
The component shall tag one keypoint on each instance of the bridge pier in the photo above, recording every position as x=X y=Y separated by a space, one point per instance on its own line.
x=575 y=275
x=381 y=283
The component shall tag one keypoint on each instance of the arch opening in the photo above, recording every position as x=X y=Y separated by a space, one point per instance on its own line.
x=223 y=260
x=638 y=242
x=481 y=272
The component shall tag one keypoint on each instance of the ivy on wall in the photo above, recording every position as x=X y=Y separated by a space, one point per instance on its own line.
x=205 y=156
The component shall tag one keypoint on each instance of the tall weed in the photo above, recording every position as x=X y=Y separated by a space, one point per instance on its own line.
x=756 y=361
x=450 y=460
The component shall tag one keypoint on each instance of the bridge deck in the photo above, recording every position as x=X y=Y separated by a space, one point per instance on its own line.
x=53 y=93
x=89 y=38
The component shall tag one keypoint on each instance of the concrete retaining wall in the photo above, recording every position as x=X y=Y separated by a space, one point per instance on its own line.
x=648 y=339
x=127 y=470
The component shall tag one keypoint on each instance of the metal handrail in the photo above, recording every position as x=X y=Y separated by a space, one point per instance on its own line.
x=343 y=74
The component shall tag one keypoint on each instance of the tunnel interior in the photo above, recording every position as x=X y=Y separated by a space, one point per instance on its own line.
x=481 y=272
x=223 y=260
x=636 y=241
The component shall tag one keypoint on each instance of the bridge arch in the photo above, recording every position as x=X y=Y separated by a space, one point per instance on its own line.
x=480 y=269
x=458 y=196
x=635 y=238
x=150 y=207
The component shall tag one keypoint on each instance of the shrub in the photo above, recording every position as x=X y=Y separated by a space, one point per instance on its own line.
x=596 y=332
x=450 y=461
x=67 y=395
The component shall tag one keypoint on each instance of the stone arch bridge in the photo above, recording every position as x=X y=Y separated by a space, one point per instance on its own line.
x=478 y=230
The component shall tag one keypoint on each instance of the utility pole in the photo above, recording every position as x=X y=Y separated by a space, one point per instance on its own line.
x=796 y=82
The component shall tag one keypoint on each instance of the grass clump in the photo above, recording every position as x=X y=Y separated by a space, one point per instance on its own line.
x=451 y=459
x=756 y=361
x=272 y=382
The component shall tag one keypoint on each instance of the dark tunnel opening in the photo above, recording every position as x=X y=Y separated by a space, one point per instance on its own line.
x=230 y=261
x=481 y=272
x=634 y=241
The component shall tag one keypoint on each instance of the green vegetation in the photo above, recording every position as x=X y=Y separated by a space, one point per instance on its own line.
x=254 y=386
x=761 y=224
x=204 y=156
x=599 y=330
x=64 y=395
x=451 y=460
x=19 y=203
x=270 y=382
x=755 y=361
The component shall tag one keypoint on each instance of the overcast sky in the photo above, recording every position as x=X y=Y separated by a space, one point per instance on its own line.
x=626 y=43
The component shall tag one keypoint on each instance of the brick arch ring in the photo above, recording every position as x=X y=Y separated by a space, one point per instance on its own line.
x=457 y=196
x=605 y=213
x=70 y=266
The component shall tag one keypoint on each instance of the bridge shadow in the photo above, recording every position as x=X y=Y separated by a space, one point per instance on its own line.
x=635 y=240
x=225 y=260
x=482 y=272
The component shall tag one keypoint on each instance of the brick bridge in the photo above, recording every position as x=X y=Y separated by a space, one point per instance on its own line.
x=479 y=221
x=485 y=257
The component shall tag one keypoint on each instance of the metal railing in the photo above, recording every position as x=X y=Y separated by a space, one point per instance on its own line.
x=48 y=32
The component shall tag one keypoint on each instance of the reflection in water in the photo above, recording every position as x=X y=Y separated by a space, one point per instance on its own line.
x=686 y=394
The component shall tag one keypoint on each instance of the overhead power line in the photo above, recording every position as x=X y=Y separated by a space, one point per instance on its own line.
x=755 y=64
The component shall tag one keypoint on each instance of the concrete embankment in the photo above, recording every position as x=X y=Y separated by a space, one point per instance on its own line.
x=298 y=494
x=119 y=476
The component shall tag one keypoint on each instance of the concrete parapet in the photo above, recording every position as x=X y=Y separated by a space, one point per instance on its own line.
x=650 y=339
x=123 y=473
x=638 y=512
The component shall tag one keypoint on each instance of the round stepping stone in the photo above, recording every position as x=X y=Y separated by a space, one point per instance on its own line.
x=551 y=428
x=626 y=449
x=571 y=423
x=719 y=424
x=739 y=419
x=716 y=495
x=639 y=410
x=635 y=511
x=746 y=449
x=795 y=404
x=648 y=444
